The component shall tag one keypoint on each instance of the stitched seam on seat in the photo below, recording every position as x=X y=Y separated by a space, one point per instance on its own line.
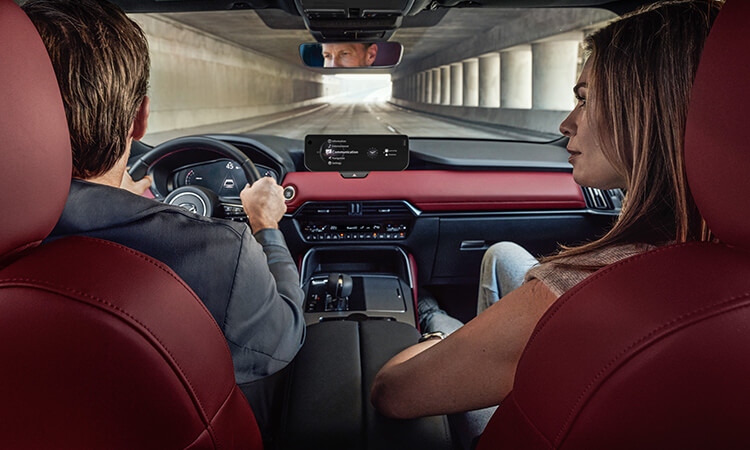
x=638 y=342
x=590 y=279
x=160 y=265
x=199 y=436
x=531 y=424
x=211 y=431
x=57 y=289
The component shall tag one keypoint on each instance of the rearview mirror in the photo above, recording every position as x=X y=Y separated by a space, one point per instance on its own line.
x=351 y=54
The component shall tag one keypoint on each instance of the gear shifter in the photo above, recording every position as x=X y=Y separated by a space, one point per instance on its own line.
x=338 y=289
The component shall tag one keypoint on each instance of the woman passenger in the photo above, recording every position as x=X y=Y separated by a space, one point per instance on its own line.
x=626 y=131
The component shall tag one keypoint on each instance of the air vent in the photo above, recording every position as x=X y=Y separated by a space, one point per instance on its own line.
x=325 y=209
x=616 y=196
x=392 y=208
x=385 y=209
x=603 y=200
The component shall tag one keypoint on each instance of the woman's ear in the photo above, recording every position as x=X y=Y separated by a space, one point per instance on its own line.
x=140 y=123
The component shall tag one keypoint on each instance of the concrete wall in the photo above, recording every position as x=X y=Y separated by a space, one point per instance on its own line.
x=539 y=120
x=199 y=79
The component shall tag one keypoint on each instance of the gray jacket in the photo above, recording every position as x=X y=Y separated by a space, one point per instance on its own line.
x=249 y=283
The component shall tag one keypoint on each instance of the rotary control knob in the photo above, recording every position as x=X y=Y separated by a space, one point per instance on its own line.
x=372 y=153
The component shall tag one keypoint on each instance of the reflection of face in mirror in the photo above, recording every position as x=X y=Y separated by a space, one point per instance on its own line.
x=349 y=55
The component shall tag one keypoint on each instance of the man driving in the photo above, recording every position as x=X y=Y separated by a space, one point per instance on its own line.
x=245 y=276
x=350 y=54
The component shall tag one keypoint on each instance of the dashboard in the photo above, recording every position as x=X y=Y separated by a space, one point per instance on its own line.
x=455 y=199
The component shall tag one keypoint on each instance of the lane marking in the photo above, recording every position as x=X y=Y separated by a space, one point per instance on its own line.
x=289 y=117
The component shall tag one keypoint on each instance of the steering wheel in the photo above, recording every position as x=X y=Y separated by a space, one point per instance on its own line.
x=197 y=199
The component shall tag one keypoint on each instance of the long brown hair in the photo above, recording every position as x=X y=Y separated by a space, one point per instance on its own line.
x=101 y=60
x=642 y=71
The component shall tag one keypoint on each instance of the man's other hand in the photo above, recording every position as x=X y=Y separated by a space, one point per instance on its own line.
x=263 y=203
x=136 y=187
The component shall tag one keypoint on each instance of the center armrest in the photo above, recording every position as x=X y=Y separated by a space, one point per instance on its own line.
x=328 y=401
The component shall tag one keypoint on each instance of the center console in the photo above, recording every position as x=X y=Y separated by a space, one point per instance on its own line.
x=358 y=280
x=360 y=297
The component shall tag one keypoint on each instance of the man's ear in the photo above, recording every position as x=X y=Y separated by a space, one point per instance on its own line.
x=372 y=52
x=140 y=123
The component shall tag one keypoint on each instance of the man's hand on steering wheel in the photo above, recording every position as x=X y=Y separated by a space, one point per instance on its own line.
x=263 y=203
x=136 y=187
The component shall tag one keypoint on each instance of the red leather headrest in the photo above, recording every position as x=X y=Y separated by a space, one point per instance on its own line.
x=35 y=159
x=717 y=149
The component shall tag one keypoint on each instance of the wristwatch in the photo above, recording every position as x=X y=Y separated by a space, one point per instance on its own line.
x=435 y=334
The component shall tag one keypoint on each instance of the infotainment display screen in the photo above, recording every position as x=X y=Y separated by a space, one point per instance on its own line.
x=356 y=152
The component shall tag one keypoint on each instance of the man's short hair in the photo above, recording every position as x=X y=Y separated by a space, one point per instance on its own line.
x=101 y=60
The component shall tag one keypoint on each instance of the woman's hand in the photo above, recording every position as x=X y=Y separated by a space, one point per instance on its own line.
x=472 y=368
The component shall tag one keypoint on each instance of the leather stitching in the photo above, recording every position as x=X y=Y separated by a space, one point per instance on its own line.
x=158 y=264
x=562 y=301
x=529 y=422
x=636 y=343
x=35 y=283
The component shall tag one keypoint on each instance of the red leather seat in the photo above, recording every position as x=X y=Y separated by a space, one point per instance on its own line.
x=100 y=346
x=652 y=352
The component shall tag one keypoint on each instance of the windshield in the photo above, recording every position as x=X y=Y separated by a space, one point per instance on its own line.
x=472 y=73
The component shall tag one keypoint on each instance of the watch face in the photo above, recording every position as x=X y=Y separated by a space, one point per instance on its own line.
x=356 y=153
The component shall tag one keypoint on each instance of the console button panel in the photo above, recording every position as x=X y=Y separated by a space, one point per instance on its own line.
x=355 y=232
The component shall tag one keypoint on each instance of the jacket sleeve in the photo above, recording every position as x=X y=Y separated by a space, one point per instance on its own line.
x=264 y=323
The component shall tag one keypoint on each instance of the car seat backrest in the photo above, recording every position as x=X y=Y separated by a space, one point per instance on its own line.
x=101 y=346
x=36 y=163
x=717 y=148
x=650 y=352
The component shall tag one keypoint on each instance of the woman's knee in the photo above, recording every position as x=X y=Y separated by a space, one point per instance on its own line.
x=500 y=251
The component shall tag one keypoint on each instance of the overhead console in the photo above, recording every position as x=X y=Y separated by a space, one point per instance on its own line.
x=354 y=20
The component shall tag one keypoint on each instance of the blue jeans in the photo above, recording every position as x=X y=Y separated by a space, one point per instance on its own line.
x=504 y=266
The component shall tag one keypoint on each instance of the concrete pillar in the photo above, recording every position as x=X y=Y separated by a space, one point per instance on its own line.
x=554 y=67
x=422 y=77
x=515 y=78
x=489 y=80
x=430 y=86
x=457 y=84
x=436 y=86
x=471 y=82
x=445 y=82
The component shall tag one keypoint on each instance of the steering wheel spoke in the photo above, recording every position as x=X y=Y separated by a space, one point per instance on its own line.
x=232 y=211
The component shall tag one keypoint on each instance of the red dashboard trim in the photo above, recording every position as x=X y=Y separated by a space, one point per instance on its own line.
x=443 y=190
